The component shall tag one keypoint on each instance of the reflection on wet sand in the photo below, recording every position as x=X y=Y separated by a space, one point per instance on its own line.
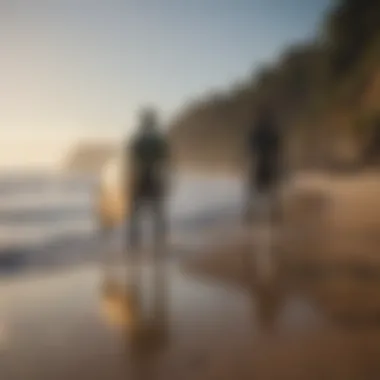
x=116 y=306
x=140 y=307
x=289 y=326
x=151 y=334
x=260 y=265
x=268 y=301
x=264 y=282
x=228 y=317
x=348 y=300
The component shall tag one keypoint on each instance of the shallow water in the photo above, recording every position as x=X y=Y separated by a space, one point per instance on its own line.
x=49 y=219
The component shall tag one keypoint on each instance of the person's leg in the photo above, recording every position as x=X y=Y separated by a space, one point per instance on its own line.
x=160 y=222
x=268 y=188
x=248 y=202
x=275 y=190
x=258 y=193
x=275 y=203
x=134 y=228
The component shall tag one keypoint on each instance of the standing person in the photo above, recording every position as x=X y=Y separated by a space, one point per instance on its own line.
x=264 y=158
x=148 y=154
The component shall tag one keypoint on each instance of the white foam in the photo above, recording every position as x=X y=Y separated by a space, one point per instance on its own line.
x=190 y=196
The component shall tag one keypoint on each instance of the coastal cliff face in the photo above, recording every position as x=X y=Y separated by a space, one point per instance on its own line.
x=325 y=92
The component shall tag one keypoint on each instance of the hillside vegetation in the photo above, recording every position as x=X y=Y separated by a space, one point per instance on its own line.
x=325 y=92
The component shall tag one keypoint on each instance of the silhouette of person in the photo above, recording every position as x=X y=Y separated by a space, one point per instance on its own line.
x=264 y=157
x=148 y=152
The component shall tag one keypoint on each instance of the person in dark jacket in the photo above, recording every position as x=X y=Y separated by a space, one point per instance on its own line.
x=264 y=157
x=148 y=153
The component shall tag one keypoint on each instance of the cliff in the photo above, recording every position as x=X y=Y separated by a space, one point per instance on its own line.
x=325 y=92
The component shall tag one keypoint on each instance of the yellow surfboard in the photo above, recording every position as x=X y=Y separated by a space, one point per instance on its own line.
x=112 y=201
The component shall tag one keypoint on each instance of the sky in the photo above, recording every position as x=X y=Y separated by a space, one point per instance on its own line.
x=72 y=69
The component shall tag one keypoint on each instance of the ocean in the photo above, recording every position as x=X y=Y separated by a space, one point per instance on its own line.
x=42 y=214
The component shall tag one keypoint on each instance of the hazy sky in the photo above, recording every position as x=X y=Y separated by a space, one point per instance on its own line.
x=74 y=68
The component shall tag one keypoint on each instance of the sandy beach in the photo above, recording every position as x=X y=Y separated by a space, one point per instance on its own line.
x=327 y=244
x=298 y=299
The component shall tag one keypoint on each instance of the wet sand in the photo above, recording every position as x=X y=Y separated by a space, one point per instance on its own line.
x=294 y=304
x=325 y=250
x=329 y=237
